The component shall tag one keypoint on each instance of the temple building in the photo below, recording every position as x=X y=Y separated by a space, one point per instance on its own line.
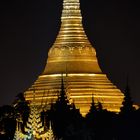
x=73 y=56
x=34 y=129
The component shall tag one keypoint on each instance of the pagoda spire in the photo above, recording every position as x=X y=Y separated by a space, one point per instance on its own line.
x=50 y=134
x=71 y=10
x=71 y=49
x=18 y=133
x=34 y=124
x=71 y=30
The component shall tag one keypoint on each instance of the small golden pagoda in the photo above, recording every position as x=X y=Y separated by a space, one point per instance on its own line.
x=73 y=56
x=34 y=124
x=34 y=128
x=18 y=133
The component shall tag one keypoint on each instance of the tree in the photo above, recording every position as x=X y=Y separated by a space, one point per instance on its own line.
x=127 y=120
x=92 y=112
x=75 y=128
x=7 y=119
x=127 y=107
x=60 y=113
x=21 y=107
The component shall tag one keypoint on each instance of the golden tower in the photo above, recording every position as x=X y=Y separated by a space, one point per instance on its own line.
x=73 y=56
x=34 y=127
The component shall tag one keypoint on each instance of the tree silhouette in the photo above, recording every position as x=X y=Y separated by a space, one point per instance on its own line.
x=7 y=119
x=92 y=114
x=127 y=116
x=75 y=128
x=60 y=113
x=21 y=107
x=127 y=107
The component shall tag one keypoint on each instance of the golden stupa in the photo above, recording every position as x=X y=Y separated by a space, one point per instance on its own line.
x=73 y=56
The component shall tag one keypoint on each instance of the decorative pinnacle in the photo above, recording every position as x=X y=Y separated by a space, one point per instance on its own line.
x=71 y=31
x=71 y=10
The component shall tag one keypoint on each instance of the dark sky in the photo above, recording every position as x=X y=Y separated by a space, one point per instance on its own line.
x=29 y=27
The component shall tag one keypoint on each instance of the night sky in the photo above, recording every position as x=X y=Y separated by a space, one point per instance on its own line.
x=28 y=29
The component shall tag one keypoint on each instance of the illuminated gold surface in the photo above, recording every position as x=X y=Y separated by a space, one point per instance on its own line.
x=71 y=51
x=73 y=55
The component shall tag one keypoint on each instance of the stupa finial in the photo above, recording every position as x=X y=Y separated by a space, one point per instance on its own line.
x=71 y=11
